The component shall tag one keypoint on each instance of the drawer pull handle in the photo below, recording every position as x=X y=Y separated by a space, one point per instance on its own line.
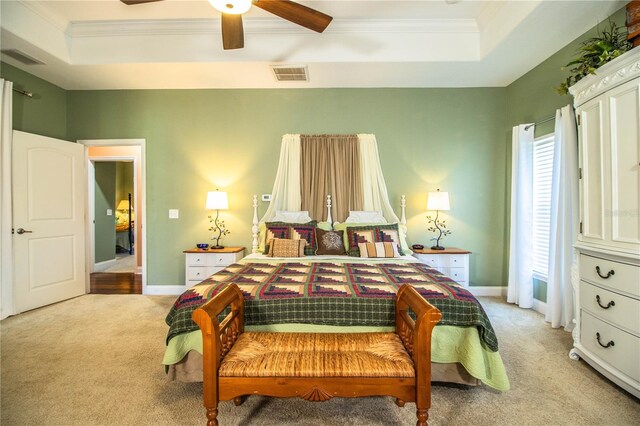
x=611 y=343
x=604 y=277
x=610 y=304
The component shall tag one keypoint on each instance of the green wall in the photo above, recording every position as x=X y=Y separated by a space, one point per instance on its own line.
x=532 y=97
x=199 y=140
x=43 y=114
x=124 y=182
x=105 y=198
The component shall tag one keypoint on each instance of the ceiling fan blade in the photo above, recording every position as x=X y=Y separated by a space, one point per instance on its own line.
x=232 y=32
x=132 y=2
x=296 y=13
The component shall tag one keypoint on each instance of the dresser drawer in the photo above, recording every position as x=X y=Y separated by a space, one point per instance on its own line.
x=622 y=310
x=197 y=259
x=621 y=276
x=457 y=274
x=201 y=272
x=623 y=355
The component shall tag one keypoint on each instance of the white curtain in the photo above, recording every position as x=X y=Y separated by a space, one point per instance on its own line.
x=520 y=287
x=6 y=251
x=374 y=188
x=286 y=188
x=564 y=222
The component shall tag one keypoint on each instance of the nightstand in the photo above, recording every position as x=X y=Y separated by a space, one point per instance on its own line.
x=453 y=262
x=201 y=264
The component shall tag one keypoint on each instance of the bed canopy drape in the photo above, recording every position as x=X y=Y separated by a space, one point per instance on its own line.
x=347 y=167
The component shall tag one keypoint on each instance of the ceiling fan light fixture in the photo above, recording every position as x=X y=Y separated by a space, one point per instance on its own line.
x=233 y=7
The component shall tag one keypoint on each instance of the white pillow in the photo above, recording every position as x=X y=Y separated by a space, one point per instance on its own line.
x=291 y=216
x=365 y=217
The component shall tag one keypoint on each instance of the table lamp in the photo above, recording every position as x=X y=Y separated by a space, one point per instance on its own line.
x=438 y=201
x=217 y=200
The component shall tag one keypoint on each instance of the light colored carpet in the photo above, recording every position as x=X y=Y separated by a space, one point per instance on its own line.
x=124 y=263
x=95 y=360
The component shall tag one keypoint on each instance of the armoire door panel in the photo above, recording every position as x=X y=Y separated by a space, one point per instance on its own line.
x=592 y=191
x=624 y=110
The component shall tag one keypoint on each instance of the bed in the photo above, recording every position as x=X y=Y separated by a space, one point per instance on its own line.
x=338 y=293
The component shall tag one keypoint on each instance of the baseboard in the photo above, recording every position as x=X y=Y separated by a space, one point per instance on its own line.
x=101 y=266
x=496 y=291
x=539 y=306
x=164 y=290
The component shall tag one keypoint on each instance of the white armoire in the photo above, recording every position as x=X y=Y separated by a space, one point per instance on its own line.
x=607 y=278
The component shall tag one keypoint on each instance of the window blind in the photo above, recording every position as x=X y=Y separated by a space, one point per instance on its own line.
x=542 y=171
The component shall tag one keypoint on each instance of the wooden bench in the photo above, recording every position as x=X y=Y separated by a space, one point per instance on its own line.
x=316 y=366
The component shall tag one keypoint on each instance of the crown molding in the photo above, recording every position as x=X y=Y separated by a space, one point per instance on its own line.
x=41 y=9
x=264 y=26
x=616 y=72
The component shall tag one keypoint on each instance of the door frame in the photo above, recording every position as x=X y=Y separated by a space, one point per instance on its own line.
x=90 y=231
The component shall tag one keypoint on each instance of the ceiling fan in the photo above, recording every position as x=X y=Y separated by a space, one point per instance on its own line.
x=232 y=10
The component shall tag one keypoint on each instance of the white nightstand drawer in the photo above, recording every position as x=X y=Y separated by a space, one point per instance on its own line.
x=624 y=348
x=453 y=261
x=429 y=259
x=457 y=274
x=197 y=259
x=202 y=273
x=223 y=259
x=614 y=275
x=613 y=307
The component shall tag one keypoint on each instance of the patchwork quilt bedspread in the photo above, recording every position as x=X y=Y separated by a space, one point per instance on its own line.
x=326 y=293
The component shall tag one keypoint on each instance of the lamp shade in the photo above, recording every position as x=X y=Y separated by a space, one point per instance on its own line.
x=438 y=201
x=123 y=205
x=217 y=200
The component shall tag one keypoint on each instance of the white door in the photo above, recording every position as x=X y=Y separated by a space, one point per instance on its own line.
x=48 y=220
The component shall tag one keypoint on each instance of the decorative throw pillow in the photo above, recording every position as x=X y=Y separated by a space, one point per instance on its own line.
x=378 y=250
x=329 y=242
x=286 y=248
x=308 y=234
x=296 y=231
x=275 y=230
x=371 y=234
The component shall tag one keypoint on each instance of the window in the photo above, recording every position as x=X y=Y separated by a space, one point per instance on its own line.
x=542 y=171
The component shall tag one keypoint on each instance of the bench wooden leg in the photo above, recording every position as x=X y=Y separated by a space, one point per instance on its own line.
x=423 y=416
x=399 y=402
x=212 y=417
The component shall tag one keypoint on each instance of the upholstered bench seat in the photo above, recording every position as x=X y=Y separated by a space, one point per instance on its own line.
x=317 y=355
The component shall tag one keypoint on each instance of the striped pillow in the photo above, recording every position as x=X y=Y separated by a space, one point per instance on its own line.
x=384 y=249
x=286 y=247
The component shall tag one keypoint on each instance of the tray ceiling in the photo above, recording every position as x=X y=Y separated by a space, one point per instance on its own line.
x=104 y=44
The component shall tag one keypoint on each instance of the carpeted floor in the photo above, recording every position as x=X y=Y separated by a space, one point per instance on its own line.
x=95 y=360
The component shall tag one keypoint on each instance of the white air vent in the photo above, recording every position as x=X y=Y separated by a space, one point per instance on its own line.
x=21 y=57
x=290 y=72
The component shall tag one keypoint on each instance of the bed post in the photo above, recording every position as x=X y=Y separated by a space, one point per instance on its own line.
x=403 y=206
x=329 y=209
x=254 y=228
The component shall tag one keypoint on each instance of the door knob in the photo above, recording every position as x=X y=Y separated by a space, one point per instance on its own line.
x=21 y=231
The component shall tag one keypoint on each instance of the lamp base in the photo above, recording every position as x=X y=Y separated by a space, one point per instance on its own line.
x=221 y=247
x=437 y=248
